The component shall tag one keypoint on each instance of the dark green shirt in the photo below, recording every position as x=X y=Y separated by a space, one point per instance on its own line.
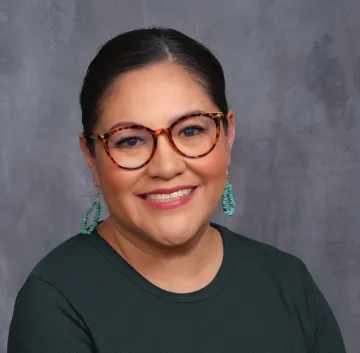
x=83 y=297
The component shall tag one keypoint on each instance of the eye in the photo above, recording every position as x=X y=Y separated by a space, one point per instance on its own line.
x=191 y=131
x=129 y=142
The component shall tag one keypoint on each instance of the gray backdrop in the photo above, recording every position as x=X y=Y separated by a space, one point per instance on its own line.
x=293 y=73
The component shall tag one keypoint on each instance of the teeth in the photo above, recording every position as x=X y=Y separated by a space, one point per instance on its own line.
x=168 y=197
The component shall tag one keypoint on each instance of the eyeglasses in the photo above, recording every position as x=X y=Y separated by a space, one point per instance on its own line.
x=132 y=147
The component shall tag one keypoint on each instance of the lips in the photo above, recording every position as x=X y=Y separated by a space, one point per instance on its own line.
x=164 y=197
x=169 y=190
x=168 y=194
x=167 y=199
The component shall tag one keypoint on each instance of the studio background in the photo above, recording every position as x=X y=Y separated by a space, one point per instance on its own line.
x=293 y=79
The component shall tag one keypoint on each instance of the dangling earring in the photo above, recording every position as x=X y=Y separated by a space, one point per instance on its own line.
x=97 y=205
x=228 y=201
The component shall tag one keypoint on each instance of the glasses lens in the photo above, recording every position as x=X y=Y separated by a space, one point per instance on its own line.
x=131 y=148
x=195 y=136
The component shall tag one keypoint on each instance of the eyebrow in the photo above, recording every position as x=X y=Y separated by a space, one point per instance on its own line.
x=129 y=123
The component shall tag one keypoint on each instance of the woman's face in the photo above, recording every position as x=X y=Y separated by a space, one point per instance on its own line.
x=154 y=97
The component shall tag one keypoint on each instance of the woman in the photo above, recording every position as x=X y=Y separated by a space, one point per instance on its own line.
x=156 y=276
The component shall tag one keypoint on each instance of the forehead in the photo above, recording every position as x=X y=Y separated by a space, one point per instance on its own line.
x=153 y=96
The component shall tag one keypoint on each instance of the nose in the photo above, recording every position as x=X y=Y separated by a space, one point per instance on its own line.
x=166 y=162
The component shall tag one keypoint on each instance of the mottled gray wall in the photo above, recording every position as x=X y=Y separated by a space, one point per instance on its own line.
x=293 y=72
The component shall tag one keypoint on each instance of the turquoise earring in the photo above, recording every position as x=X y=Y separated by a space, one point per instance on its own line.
x=228 y=201
x=97 y=206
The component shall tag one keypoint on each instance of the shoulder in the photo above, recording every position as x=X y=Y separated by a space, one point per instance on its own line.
x=73 y=264
x=291 y=279
x=68 y=253
x=276 y=272
x=52 y=319
x=278 y=264
x=261 y=251
x=48 y=288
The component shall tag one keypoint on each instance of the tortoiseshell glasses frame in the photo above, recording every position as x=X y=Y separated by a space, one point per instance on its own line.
x=104 y=138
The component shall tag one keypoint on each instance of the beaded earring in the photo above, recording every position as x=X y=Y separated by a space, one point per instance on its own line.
x=228 y=201
x=97 y=206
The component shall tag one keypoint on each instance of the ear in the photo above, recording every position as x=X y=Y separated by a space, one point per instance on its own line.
x=89 y=159
x=230 y=135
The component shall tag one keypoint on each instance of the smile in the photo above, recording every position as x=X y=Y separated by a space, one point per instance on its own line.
x=168 y=197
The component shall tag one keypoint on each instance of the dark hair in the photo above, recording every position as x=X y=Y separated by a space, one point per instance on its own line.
x=142 y=47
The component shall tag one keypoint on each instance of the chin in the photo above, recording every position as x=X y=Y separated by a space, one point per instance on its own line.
x=173 y=240
x=173 y=234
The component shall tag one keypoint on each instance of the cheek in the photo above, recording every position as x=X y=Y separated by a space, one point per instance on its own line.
x=214 y=165
x=115 y=181
x=211 y=170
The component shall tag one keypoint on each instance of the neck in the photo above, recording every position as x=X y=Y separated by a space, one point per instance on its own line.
x=180 y=269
